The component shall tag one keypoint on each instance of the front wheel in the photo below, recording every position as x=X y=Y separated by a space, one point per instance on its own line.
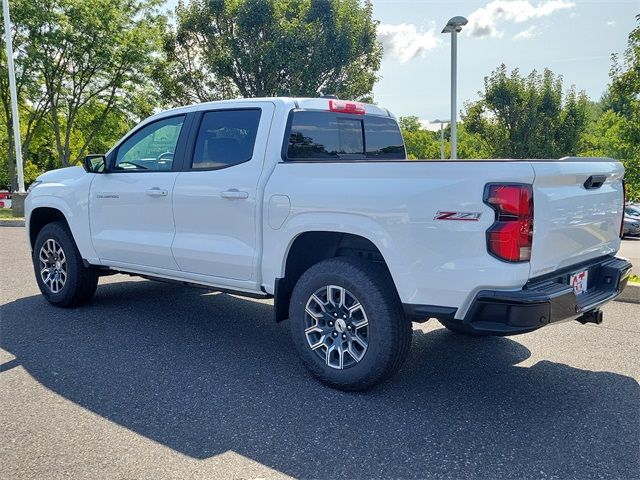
x=62 y=277
x=347 y=323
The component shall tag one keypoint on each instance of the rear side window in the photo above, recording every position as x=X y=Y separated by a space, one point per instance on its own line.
x=226 y=138
x=384 y=140
x=329 y=136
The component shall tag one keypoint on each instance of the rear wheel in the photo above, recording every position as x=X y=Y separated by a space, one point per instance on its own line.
x=62 y=277
x=347 y=323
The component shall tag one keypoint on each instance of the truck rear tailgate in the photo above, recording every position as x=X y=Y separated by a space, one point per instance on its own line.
x=578 y=206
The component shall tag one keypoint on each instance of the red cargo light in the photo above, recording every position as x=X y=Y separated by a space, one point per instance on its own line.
x=346 y=107
x=511 y=235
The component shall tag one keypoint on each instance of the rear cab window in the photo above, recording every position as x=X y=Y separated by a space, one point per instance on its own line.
x=328 y=136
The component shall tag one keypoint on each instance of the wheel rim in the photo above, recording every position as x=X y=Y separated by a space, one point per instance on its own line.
x=336 y=327
x=53 y=265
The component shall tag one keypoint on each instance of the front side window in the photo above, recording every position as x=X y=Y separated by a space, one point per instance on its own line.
x=151 y=148
x=226 y=138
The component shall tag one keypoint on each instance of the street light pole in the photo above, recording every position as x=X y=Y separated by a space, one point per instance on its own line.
x=441 y=122
x=14 y=95
x=441 y=140
x=454 y=94
x=453 y=27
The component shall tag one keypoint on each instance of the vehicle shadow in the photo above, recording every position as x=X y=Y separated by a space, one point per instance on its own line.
x=207 y=373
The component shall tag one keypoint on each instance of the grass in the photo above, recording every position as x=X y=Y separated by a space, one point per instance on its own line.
x=7 y=214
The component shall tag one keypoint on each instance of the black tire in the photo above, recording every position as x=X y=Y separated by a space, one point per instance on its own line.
x=459 y=328
x=388 y=333
x=80 y=282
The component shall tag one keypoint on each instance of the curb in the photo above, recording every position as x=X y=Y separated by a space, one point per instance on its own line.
x=18 y=222
x=631 y=293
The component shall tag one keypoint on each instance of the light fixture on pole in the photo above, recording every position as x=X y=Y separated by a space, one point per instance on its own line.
x=453 y=27
x=13 y=94
x=441 y=122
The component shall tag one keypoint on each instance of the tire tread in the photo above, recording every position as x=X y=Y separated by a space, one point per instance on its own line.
x=81 y=285
x=375 y=279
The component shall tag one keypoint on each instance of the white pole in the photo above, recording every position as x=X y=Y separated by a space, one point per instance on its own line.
x=454 y=114
x=14 y=95
x=442 y=140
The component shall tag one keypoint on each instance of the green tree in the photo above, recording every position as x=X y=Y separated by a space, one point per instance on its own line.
x=470 y=145
x=527 y=117
x=253 y=48
x=31 y=103
x=614 y=122
x=409 y=124
x=425 y=144
x=421 y=144
x=92 y=57
x=623 y=98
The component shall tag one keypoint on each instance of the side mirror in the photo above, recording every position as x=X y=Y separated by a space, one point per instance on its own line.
x=95 y=163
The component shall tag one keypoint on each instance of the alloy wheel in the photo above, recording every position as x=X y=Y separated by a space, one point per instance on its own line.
x=336 y=326
x=53 y=265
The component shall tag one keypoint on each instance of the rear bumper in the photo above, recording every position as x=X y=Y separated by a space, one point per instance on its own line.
x=546 y=300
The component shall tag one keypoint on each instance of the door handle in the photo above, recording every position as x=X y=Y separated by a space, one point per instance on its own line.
x=234 y=193
x=157 y=192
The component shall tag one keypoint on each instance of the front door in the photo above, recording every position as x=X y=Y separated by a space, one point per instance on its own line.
x=130 y=206
x=215 y=199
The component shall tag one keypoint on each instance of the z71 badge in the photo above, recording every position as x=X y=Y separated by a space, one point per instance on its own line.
x=464 y=216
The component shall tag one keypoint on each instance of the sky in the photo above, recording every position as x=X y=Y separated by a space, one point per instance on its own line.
x=574 y=38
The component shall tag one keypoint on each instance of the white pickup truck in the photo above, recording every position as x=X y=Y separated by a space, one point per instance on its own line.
x=312 y=201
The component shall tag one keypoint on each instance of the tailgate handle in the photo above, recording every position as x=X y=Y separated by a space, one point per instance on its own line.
x=594 y=181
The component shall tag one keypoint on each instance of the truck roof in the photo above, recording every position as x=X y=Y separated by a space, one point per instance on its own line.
x=307 y=103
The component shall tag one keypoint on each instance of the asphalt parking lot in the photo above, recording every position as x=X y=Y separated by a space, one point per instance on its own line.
x=157 y=381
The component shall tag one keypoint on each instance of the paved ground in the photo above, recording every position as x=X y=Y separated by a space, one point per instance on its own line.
x=157 y=381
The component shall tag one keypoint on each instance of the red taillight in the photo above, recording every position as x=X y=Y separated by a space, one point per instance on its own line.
x=346 y=107
x=511 y=235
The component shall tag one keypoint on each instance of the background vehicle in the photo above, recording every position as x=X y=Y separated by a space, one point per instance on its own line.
x=5 y=199
x=312 y=202
x=631 y=210
x=631 y=226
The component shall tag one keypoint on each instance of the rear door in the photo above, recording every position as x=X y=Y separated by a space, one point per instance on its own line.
x=215 y=199
x=578 y=209
x=130 y=206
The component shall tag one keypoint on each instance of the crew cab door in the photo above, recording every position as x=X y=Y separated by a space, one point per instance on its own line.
x=214 y=199
x=130 y=208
